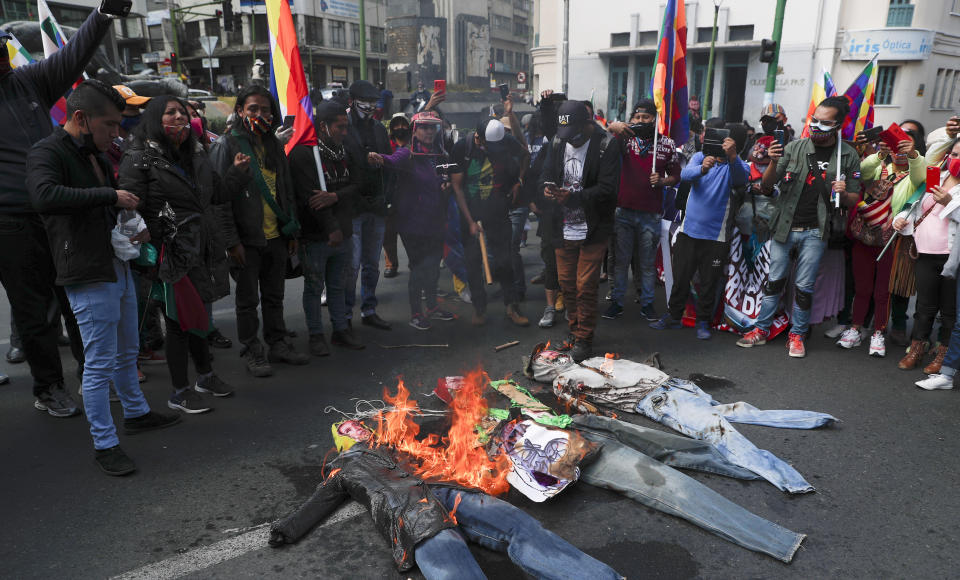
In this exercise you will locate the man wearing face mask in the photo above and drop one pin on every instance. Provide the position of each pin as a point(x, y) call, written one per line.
point(260, 230)
point(26, 267)
point(773, 117)
point(486, 180)
point(71, 186)
point(809, 180)
point(580, 180)
point(640, 203)
point(366, 135)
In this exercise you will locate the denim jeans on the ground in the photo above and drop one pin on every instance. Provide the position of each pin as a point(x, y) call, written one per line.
point(518, 218)
point(323, 267)
point(107, 315)
point(636, 231)
point(810, 249)
point(498, 525)
point(364, 263)
point(684, 407)
point(634, 462)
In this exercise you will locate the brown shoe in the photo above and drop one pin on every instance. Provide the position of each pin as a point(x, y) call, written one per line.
point(513, 313)
point(918, 348)
point(478, 319)
point(934, 367)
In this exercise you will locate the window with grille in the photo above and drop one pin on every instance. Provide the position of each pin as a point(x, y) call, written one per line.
point(886, 77)
point(900, 13)
point(338, 34)
point(620, 39)
point(704, 33)
point(736, 33)
point(355, 36)
point(378, 39)
point(945, 91)
point(314, 30)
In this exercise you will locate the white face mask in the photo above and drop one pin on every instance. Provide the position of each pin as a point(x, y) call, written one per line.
point(364, 109)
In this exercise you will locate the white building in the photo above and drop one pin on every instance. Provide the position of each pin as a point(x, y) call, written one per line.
point(613, 47)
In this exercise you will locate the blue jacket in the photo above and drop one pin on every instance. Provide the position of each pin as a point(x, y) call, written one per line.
point(714, 197)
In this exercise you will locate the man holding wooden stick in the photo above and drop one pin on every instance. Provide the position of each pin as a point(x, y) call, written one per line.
point(486, 179)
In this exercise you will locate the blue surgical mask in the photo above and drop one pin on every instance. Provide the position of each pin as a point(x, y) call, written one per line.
point(128, 123)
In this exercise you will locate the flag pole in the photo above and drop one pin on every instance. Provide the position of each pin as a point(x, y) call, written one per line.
point(656, 130)
point(316, 159)
point(840, 176)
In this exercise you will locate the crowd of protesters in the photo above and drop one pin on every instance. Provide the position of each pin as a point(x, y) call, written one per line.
point(129, 221)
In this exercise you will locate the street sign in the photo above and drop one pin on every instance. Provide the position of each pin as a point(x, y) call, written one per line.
point(149, 57)
point(208, 43)
point(521, 86)
point(164, 69)
point(521, 77)
point(211, 63)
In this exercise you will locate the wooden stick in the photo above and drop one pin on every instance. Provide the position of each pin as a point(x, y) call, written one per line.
point(506, 345)
point(388, 346)
point(483, 254)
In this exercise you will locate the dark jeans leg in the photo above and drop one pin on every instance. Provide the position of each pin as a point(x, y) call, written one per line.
point(272, 283)
point(927, 270)
point(247, 296)
point(474, 264)
point(497, 233)
point(549, 256)
point(948, 308)
point(424, 253)
point(27, 273)
point(713, 257)
point(177, 344)
point(518, 219)
point(390, 259)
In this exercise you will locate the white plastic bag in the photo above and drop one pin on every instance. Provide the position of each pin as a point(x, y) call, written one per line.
point(129, 224)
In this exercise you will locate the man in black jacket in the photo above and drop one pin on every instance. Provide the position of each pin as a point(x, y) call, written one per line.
point(366, 135)
point(26, 268)
point(260, 229)
point(326, 220)
point(72, 186)
point(580, 179)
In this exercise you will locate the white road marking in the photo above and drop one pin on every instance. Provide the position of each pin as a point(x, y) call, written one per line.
point(207, 556)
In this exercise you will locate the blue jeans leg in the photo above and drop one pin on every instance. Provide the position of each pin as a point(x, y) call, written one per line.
point(497, 525)
point(314, 263)
point(779, 268)
point(648, 241)
point(446, 556)
point(368, 230)
point(952, 360)
point(626, 234)
point(106, 313)
point(810, 251)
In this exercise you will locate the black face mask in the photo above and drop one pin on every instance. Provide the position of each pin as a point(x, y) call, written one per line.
point(401, 134)
point(643, 130)
point(89, 146)
point(578, 140)
point(770, 125)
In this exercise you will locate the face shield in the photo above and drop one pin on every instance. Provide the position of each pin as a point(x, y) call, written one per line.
point(427, 135)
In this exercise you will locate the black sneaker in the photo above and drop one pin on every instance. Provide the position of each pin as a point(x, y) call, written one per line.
point(213, 385)
point(582, 349)
point(347, 339)
point(390, 273)
point(149, 422)
point(318, 345)
point(57, 402)
point(217, 340)
point(613, 311)
point(283, 352)
point(189, 402)
point(114, 461)
point(256, 362)
point(375, 321)
point(649, 313)
point(16, 355)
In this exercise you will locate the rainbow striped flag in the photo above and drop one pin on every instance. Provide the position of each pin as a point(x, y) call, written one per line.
point(287, 80)
point(53, 40)
point(669, 84)
point(861, 95)
point(820, 92)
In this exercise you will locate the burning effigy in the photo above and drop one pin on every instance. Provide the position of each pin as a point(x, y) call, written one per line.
point(421, 484)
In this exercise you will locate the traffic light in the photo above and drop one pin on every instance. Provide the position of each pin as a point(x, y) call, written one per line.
point(768, 50)
point(173, 58)
point(227, 12)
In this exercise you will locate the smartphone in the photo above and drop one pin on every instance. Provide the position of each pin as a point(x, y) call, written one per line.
point(779, 137)
point(933, 177)
point(119, 8)
point(504, 92)
point(440, 86)
point(548, 185)
point(288, 121)
point(873, 133)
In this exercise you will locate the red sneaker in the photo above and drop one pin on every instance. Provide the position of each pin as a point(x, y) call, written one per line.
point(755, 337)
point(151, 357)
point(795, 346)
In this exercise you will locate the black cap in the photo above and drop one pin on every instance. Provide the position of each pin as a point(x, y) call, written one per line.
point(571, 118)
point(645, 106)
point(364, 91)
point(328, 110)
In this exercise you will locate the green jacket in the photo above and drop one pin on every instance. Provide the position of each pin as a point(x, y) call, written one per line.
point(792, 173)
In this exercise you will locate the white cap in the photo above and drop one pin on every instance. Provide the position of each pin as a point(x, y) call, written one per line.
point(495, 131)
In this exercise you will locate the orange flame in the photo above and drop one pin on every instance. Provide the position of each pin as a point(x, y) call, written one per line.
point(456, 504)
point(458, 457)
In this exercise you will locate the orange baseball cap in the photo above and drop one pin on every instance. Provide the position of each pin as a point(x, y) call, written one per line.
point(131, 97)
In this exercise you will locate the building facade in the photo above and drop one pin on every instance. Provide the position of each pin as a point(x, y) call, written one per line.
point(611, 58)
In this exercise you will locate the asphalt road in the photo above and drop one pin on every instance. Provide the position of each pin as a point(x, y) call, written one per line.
point(885, 504)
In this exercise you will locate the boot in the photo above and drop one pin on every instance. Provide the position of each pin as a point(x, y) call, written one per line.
point(918, 348)
point(318, 345)
point(347, 339)
point(256, 360)
point(934, 367)
point(515, 316)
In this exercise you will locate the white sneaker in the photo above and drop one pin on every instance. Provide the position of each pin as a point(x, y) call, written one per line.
point(835, 331)
point(935, 382)
point(878, 345)
point(850, 338)
point(549, 317)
